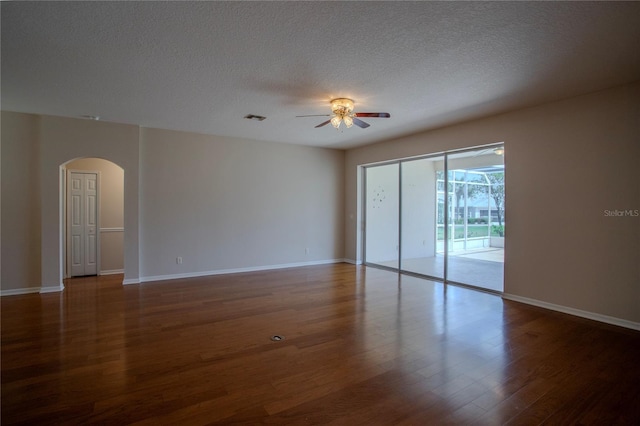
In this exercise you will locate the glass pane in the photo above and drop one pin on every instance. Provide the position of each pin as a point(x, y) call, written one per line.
point(476, 245)
point(475, 177)
point(423, 216)
point(382, 215)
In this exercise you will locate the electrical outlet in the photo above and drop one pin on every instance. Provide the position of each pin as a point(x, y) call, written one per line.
point(306, 251)
point(179, 260)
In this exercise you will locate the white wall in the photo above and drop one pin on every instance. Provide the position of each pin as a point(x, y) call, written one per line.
point(223, 203)
point(418, 209)
point(382, 214)
point(566, 163)
point(111, 211)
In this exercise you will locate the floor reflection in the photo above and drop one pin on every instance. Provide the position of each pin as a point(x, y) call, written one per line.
point(362, 346)
point(445, 340)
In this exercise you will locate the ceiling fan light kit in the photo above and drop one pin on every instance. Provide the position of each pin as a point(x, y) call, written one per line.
point(335, 121)
point(342, 106)
point(342, 109)
point(348, 120)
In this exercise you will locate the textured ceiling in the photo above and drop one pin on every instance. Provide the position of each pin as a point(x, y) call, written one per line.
point(203, 66)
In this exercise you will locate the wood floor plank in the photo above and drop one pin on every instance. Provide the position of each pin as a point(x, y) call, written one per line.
point(361, 346)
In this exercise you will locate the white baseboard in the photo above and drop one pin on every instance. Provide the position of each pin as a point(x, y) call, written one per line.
point(572, 311)
point(17, 291)
point(351, 261)
point(30, 290)
point(112, 272)
point(235, 271)
point(130, 281)
point(52, 289)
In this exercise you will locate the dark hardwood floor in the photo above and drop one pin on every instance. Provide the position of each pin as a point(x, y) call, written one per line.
point(362, 347)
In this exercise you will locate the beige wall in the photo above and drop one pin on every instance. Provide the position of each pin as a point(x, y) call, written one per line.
point(219, 203)
point(111, 211)
point(20, 203)
point(566, 163)
point(61, 140)
point(222, 203)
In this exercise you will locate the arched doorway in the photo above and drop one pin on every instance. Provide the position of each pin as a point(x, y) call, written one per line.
point(93, 217)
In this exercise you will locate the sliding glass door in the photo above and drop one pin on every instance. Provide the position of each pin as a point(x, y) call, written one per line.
point(420, 206)
point(476, 244)
point(441, 217)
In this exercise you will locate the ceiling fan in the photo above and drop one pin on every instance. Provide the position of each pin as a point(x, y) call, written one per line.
point(342, 109)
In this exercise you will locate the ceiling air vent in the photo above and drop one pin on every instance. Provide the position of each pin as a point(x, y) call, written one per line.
point(254, 117)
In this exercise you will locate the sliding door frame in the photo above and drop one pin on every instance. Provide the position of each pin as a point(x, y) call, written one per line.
point(445, 155)
point(364, 215)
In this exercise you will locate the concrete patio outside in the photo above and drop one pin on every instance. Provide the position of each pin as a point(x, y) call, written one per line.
point(482, 267)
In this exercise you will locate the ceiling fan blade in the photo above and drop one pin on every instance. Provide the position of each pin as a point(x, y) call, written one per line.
point(484, 151)
point(323, 124)
point(373, 114)
point(359, 123)
point(315, 115)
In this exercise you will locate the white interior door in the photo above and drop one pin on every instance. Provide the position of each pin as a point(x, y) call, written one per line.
point(82, 220)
